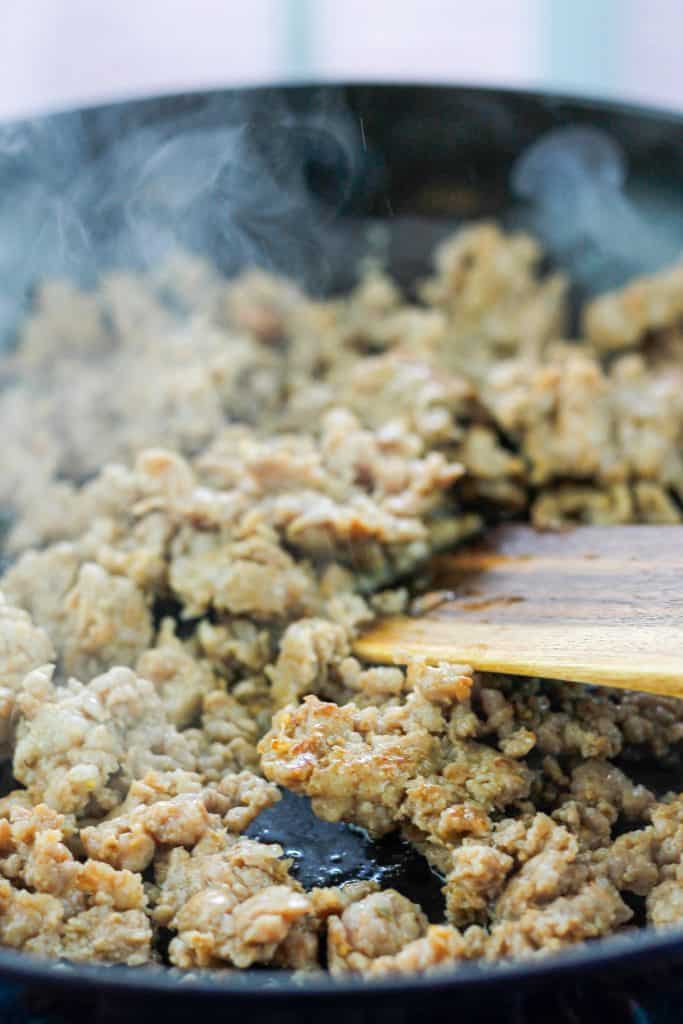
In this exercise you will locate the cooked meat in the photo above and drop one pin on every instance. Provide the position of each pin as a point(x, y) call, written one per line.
point(213, 487)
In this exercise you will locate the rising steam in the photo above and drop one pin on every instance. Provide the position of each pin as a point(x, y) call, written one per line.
point(251, 179)
point(573, 183)
point(259, 178)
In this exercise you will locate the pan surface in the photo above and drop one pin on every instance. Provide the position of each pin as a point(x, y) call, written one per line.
point(391, 170)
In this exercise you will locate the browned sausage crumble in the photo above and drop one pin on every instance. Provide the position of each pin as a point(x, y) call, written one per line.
point(213, 487)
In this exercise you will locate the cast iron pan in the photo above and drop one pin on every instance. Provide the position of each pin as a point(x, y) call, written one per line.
point(344, 172)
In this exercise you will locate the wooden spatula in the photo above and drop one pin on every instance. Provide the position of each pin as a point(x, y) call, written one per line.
point(596, 604)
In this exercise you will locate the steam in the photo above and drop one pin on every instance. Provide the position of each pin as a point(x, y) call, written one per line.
point(573, 183)
point(261, 178)
point(251, 179)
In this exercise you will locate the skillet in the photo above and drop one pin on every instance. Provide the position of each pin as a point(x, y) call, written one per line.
point(343, 171)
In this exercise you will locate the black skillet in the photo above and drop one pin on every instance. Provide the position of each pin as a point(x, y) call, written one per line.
point(309, 180)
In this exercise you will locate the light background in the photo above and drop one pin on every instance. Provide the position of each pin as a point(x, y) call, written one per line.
point(59, 53)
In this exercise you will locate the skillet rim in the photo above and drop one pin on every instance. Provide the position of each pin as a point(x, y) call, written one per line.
point(615, 953)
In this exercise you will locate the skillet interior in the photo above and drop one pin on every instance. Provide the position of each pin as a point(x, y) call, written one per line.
point(423, 160)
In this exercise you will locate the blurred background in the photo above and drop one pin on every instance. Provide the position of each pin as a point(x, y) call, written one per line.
point(59, 53)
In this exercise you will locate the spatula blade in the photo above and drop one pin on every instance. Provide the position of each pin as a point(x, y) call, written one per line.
point(596, 604)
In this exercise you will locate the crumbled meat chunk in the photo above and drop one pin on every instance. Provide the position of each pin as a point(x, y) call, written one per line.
point(440, 947)
point(237, 643)
point(66, 908)
point(496, 305)
point(78, 744)
point(114, 936)
point(601, 792)
point(94, 619)
point(342, 758)
point(443, 683)
point(554, 870)
point(308, 649)
point(181, 679)
point(106, 622)
point(30, 920)
point(335, 900)
point(164, 810)
point(252, 576)
point(383, 767)
point(130, 841)
point(596, 910)
point(39, 582)
point(567, 719)
point(475, 881)
point(239, 798)
point(382, 924)
point(475, 780)
point(228, 735)
point(535, 887)
point(233, 901)
point(664, 903)
point(639, 860)
point(181, 873)
point(621, 319)
point(214, 927)
point(23, 647)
